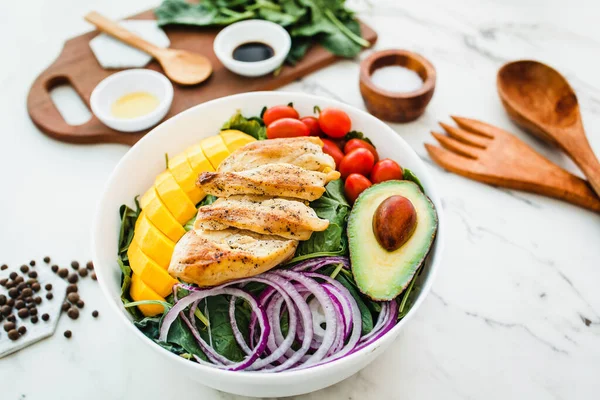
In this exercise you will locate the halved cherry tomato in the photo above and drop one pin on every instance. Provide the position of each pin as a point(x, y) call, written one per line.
point(333, 150)
point(334, 122)
point(278, 112)
point(355, 184)
point(358, 161)
point(286, 128)
point(357, 144)
point(386, 170)
point(313, 125)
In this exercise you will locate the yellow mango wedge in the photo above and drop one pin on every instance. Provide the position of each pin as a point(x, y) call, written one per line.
point(140, 291)
point(235, 139)
point(186, 177)
point(198, 160)
point(150, 273)
point(174, 197)
point(147, 197)
point(153, 242)
point(214, 149)
point(161, 217)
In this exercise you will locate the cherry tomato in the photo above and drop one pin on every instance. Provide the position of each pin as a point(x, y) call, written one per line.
point(286, 128)
point(333, 150)
point(386, 170)
point(334, 122)
point(355, 184)
point(313, 125)
point(278, 112)
point(358, 144)
point(358, 161)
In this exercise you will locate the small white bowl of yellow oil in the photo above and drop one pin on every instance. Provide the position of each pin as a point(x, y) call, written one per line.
point(132, 100)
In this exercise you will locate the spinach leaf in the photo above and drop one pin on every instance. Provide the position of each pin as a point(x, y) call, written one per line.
point(367, 317)
point(332, 241)
point(209, 199)
point(205, 13)
point(340, 44)
point(251, 126)
point(408, 175)
point(299, 48)
point(180, 339)
point(128, 220)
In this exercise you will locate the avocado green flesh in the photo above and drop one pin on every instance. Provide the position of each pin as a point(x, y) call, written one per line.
point(382, 274)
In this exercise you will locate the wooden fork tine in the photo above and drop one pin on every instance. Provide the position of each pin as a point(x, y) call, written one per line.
point(456, 146)
point(449, 160)
point(465, 136)
point(477, 127)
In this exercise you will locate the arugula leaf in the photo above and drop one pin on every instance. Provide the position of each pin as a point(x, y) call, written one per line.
point(128, 220)
point(251, 126)
point(332, 241)
point(408, 175)
point(357, 135)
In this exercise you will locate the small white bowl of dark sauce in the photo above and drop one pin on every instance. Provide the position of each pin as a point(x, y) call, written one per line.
point(252, 48)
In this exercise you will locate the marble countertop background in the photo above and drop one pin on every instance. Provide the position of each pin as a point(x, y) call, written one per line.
point(515, 310)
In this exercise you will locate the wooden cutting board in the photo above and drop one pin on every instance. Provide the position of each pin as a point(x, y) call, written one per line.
point(77, 66)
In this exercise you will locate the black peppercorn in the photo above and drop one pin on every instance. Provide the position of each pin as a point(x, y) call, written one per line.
point(9, 326)
point(36, 286)
point(27, 292)
point(10, 302)
point(74, 265)
point(33, 274)
point(94, 277)
point(89, 265)
point(13, 335)
point(73, 278)
point(37, 300)
point(73, 297)
point(49, 296)
point(65, 306)
point(11, 318)
point(13, 293)
point(5, 310)
point(2, 299)
point(73, 313)
point(95, 314)
point(4, 266)
point(83, 272)
point(71, 288)
point(54, 268)
point(47, 260)
point(19, 279)
point(23, 313)
point(13, 275)
point(32, 263)
point(19, 304)
point(45, 317)
point(34, 319)
point(80, 303)
point(22, 330)
point(3, 281)
point(63, 272)
point(33, 311)
point(24, 268)
point(67, 334)
point(48, 286)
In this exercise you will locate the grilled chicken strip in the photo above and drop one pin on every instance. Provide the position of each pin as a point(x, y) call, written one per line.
point(210, 258)
point(304, 152)
point(290, 219)
point(281, 180)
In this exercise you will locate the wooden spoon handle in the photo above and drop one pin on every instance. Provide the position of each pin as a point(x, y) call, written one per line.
point(112, 28)
point(583, 155)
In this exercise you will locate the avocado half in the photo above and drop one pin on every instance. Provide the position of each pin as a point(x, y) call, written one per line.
point(379, 273)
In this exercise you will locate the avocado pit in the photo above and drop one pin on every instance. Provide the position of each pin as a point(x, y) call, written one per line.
point(394, 222)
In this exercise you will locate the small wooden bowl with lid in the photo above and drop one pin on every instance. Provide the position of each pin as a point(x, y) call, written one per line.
point(396, 106)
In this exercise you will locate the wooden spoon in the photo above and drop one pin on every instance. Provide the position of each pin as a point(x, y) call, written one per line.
point(540, 100)
point(183, 67)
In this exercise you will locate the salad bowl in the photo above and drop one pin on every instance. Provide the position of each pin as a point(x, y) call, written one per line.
point(136, 172)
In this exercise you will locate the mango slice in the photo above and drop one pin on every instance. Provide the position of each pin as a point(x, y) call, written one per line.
point(214, 149)
point(140, 291)
point(161, 217)
point(235, 139)
point(174, 197)
point(186, 177)
point(198, 160)
point(150, 272)
point(146, 197)
point(153, 242)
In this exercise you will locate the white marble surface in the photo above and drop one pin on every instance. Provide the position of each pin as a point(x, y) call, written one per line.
point(515, 310)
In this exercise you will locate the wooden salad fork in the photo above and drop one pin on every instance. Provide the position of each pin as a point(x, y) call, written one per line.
point(488, 154)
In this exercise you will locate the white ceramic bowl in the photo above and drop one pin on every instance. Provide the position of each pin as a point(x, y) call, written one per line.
point(252, 31)
point(121, 83)
point(135, 173)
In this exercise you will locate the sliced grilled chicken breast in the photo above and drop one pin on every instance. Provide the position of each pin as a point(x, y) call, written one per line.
point(210, 258)
point(304, 152)
point(281, 180)
point(290, 219)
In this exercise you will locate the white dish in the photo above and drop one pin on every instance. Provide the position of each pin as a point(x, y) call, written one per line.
point(134, 80)
point(252, 31)
point(136, 172)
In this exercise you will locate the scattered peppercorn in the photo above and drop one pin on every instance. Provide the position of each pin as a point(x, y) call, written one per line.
point(29, 300)
point(5, 310)
point(54, 268)
point(48, 286)
point(63, 272)
point(2, 299)
point(10, 284)
point(13, 335)
point(34, 320)
point(37, 300)
point(45, 317)
point(74, 265)
point(65, 306)
point(3, 281)
point(23, 313)
point(33, 274)
point(36, 287)
point(71, 288)
point(32, 263)
point(73, 313)
point(22, 329)
point(10, 302)
point(13, 293)
point(94, 277)
point(9, 326)
point(19, 304)
point(89, 265)
point(27, 292)
point(68, 334)
point(73, 278)
point(11, 318)
point(47, 260)
point(73, 297)
point(80, 303)
point(83, 272)
point(4, 266)
point(21, 286)
point(13, 275)
point(19, 279)
point(24, 268)
point(49, 296)
point(95, 314)
point(33, 312)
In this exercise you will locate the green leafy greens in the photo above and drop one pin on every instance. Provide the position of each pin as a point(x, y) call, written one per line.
point(254, 126)
point(327, 22)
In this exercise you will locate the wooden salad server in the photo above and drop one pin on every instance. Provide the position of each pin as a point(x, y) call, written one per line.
point(183, 67)
point(541, 101)
point(491, 155)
